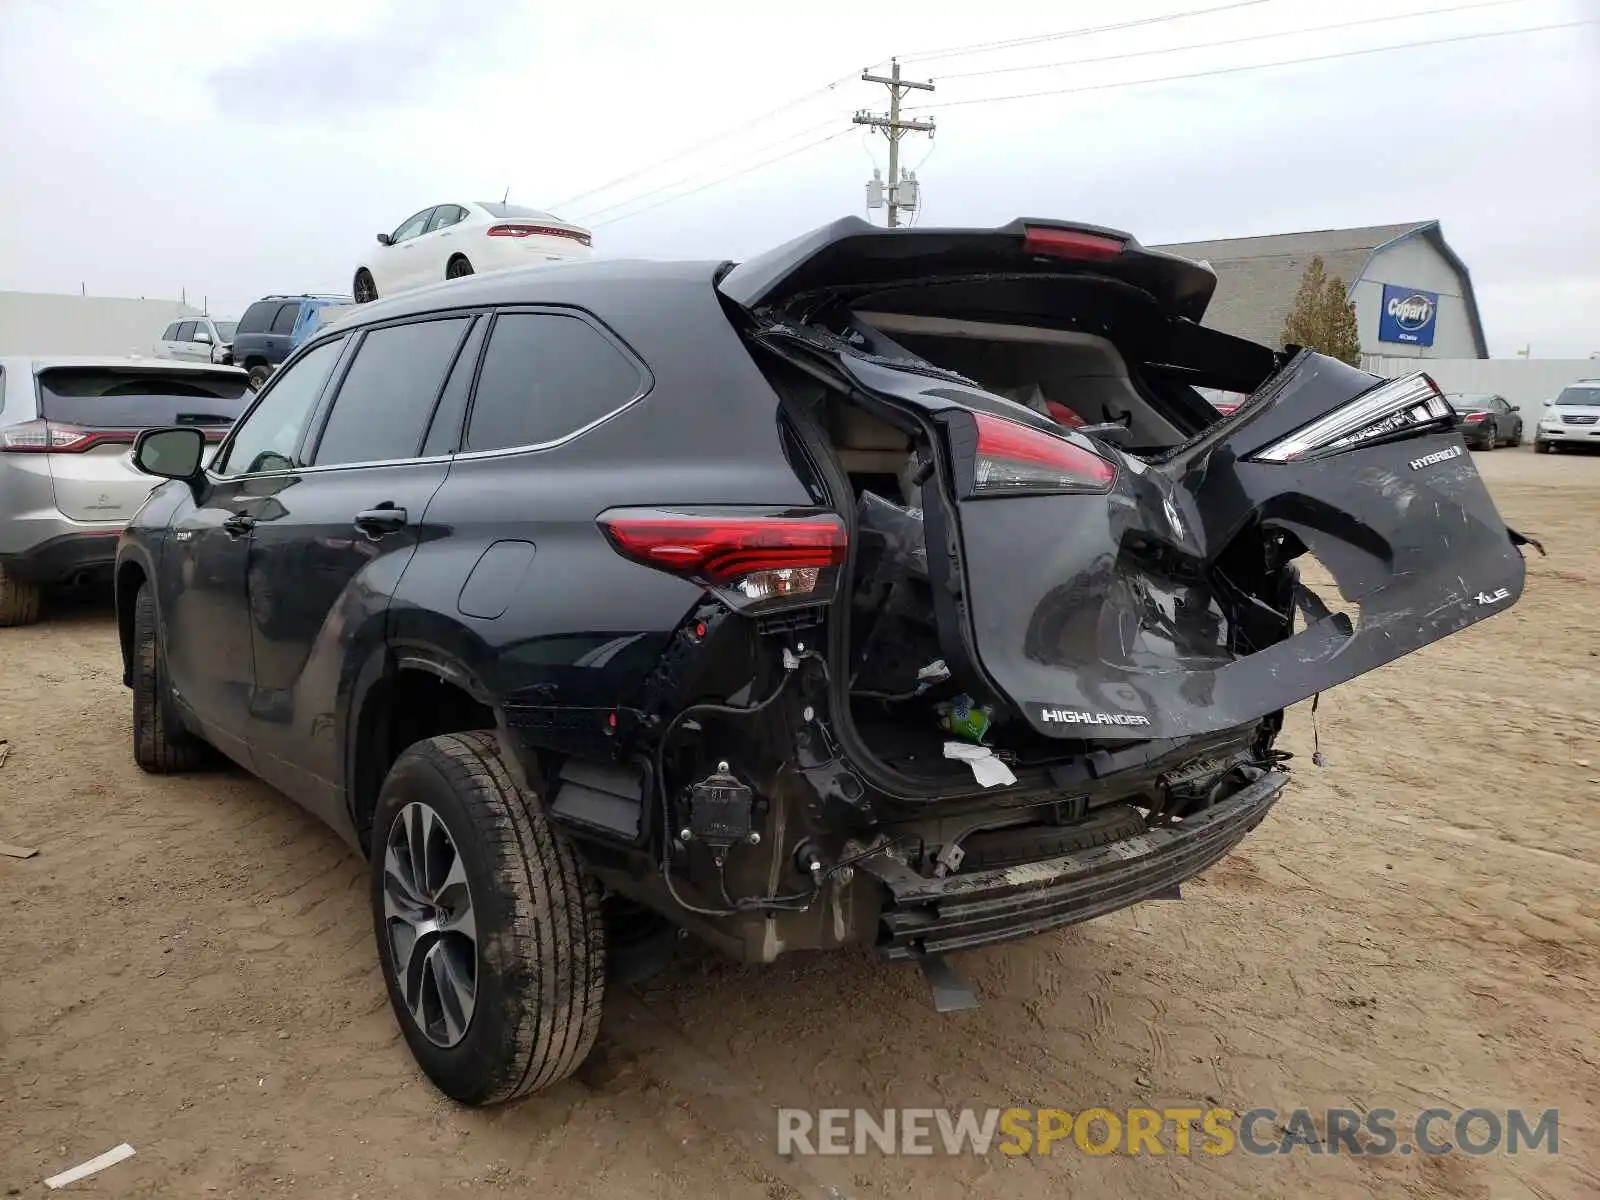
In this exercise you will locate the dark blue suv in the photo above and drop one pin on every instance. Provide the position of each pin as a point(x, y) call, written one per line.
point(262, 340)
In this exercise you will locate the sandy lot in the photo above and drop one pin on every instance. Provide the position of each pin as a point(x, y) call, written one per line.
point(187, 965)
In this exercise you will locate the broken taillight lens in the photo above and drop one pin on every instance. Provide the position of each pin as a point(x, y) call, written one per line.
point(1014, 459)
point(772, 558)
point(1398, 408)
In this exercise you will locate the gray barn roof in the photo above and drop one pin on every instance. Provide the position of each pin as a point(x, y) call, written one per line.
point(1257, 277)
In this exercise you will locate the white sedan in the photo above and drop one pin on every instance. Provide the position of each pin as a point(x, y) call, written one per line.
point(448, 241)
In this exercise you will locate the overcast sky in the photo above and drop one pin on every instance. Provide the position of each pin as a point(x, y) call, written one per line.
point(228, 150)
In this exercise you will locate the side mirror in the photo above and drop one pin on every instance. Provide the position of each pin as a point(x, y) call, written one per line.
point(385, 240)
point(170, 453)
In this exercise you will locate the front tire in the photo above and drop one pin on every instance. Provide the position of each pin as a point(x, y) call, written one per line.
point(161, 745)
point(490, 938)
point(1540, 446)
point(19, 600)
point(458, 268)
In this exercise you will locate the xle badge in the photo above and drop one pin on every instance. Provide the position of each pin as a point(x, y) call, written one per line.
point(1071, 716)
point(1494, 597)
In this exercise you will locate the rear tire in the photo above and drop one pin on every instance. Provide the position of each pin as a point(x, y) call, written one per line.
point(161, 745)
point(537, 958)
point(457, 268)
point(364, 289)
point(19, 600)
point(258, 376)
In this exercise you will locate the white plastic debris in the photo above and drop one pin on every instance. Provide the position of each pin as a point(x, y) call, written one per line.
point(988, 770)
point(85, 1169)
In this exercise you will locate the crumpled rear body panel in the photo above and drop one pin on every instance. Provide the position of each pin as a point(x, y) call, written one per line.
point(1104, 617)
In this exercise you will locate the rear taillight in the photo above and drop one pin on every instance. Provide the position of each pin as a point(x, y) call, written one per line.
point(1471, 417)
point(754, 560)
point(1399, 408)
point(43, 437)
point(1226, 407)
point(1070, 243)
point(555, 231)
point(49, 437)
point(1013, 459)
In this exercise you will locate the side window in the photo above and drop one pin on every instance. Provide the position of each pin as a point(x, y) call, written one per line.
point(443, 216)
point(383, 405)
point(413, 226)
point(546, 376)
point(258, 317)
point(171, 335)
point(185, 332)
point(269, 435)
point(284, 321)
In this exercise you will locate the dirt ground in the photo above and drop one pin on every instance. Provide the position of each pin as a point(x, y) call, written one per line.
point(187, 965)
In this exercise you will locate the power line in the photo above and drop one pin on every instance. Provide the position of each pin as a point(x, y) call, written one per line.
point(1287, 62)
point(704, 142)
point(767, 162)
point(1012, 43)
point(693, 175)
point(1254, 37)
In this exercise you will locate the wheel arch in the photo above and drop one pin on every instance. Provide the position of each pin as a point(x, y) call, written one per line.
point(132, 573)
point(399, 696)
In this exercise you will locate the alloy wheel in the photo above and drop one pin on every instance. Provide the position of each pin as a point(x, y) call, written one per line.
point(433, 933)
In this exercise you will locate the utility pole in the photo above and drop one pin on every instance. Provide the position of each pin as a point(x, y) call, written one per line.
point(902, 193)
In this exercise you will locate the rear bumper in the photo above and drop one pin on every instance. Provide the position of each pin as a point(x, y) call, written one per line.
point(959, 912)
point(60, 558)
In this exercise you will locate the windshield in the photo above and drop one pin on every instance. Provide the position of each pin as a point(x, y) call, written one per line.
point(225, 329)
point(1463, 404)
point(1572, 397)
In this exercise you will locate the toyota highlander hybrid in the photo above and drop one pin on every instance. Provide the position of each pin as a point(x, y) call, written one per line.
point(600, 600)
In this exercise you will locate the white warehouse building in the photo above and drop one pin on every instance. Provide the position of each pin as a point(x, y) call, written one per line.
point(1412, 293)
point(47, 323)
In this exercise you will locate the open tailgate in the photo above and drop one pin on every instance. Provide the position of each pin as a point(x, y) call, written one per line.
point(1155, 608)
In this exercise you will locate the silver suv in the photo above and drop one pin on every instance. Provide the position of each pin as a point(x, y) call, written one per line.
point(67, 482)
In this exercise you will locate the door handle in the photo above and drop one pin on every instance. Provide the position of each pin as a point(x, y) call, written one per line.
point(386, 518)
point(238, 524)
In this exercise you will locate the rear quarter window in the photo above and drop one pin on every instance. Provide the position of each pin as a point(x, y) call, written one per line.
point(137, 398)
point(546, 376)
point(284, 321)
point(258, 317)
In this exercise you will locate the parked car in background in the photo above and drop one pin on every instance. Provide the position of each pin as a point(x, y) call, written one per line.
point(1486, 420)
point(313, 318)
point(265, 332)
point(599, 602)
point(67, 481)
point(1573, 418)
point(448, 241)
point(1224, 402)
point(200, 340)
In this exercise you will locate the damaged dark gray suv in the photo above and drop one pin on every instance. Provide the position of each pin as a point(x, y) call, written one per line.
point(895, 588)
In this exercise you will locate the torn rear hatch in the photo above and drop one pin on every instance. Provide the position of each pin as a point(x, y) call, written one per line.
point(1161, 605)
